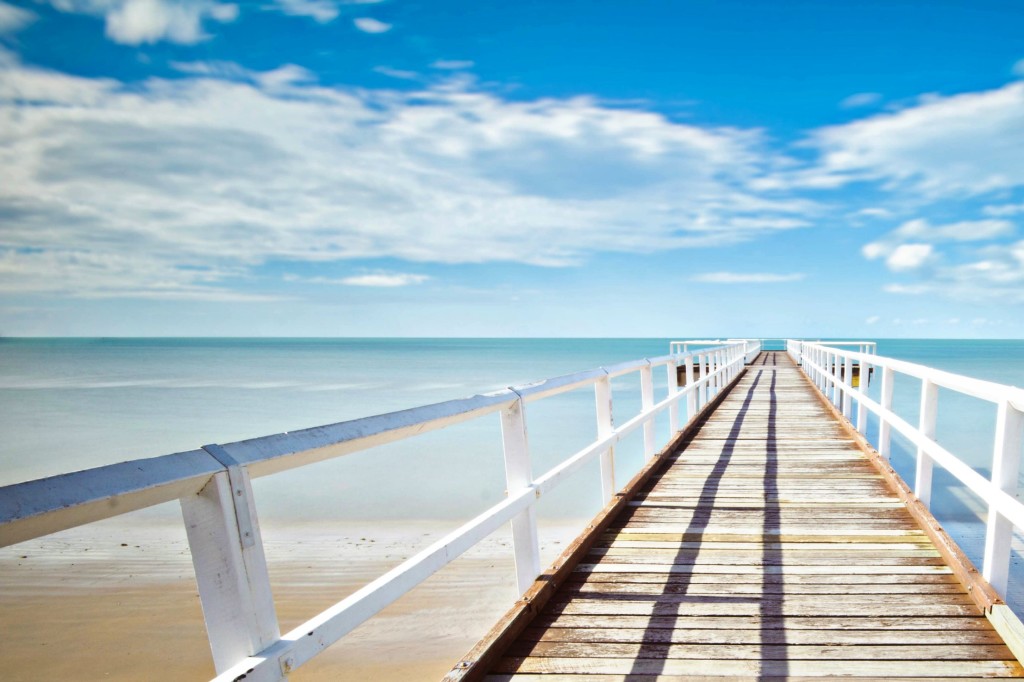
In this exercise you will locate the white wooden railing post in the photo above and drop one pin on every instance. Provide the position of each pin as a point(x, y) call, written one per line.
point(819, 358)
point(884, 429)
point(647, 403)
point(519, 475)
point(605, 425)
point(837, 395)
point(1005, 469)
point(231, 569)
point(672, 371)
point(702, 361)
point(829, 382)
point(929, 414)
point(848, 386)
point(691, 397)
point(862, 409)
point(710, 374)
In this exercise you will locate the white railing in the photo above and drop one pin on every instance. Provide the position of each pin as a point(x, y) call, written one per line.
point(751, 347)
point(831, 370)
point(214, 489)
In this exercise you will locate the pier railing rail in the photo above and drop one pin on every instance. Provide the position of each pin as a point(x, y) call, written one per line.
point(213, 485)
point(831, 369)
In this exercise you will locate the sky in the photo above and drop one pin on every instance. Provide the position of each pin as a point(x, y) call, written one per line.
point(591, 169)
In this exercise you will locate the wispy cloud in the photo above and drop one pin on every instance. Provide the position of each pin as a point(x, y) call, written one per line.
point(401, 74)
point(962, 145)
point(1018, 68)
point(452, 64)
point(746, 277)
point(321, 11)
point(861, 99)
point(911, 245)
point(371, 25)
point(226, 170)
point(13, 19)
point(384, 279)
point(1003, 210)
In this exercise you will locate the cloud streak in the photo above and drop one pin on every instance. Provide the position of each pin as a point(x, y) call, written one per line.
point(199, 181)
point(746, 277)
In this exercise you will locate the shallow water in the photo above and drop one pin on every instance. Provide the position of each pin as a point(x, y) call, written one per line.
point(69, 404)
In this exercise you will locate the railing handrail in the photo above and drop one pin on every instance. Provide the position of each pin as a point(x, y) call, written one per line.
point(977, 388)
point(213, 485)
point(831, 371)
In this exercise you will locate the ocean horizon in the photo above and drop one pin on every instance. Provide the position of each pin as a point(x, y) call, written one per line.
point(68, 404)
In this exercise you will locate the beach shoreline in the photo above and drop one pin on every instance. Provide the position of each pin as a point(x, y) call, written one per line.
point(117, 600)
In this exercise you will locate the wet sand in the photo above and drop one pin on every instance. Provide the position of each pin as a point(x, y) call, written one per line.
point(118, 601)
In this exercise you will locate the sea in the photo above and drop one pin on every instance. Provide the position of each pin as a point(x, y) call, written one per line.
point(74, 403)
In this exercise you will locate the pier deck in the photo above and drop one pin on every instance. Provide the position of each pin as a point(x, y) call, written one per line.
point(767, 546)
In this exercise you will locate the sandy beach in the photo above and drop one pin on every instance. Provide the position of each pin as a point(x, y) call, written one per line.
point(117, 600)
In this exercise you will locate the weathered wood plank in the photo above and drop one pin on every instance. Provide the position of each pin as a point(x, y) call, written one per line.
point(763, 652)
point(718, 668)
point(780, 635)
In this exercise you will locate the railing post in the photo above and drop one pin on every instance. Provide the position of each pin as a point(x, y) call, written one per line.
point(862, 410)
point(822, 376)
point(830, 384)
point(884, 430)
point(929, 413)
point(605, 425)
point(848, 385)
point(702, 360)
point(691, 397)
point(647, 403)
point(231, 569)
point(837, 394)
point(711, 375)
point(519, 475)
point(1005, 469)
point(672, 369)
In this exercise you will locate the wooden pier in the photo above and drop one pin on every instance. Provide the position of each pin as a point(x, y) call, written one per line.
point(765, 543)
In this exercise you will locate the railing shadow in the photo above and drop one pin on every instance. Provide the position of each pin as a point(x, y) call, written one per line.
point(666, 608)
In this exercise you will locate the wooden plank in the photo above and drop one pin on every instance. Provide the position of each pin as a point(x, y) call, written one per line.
point(888, 623)
point(717, 668)
point(763, 652)
point(779, 635)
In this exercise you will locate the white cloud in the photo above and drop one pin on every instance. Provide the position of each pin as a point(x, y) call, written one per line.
point(964, 231)
point(861, 99)
point(910, 246)
point(189, 185)
point(384, 279)
point(452, 64)
point(874, 319)
point(1018, 68)
point(13, 19)
point(401, 74)
point(874, 212)
point(134, 22)
point(961, 145)
point(994, 274)
point(908, 256)
point(1003, 210)
point(321, 11)
point(746, 277)
point(371, 25)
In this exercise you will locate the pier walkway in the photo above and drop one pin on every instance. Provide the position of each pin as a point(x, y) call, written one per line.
point(766, 545)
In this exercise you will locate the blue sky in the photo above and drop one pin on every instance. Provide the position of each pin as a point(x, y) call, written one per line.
point(353, 168)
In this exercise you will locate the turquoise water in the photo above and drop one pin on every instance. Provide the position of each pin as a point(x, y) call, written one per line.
point(70, 404)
